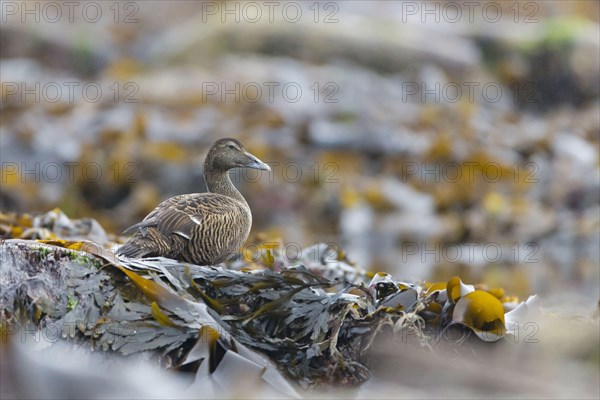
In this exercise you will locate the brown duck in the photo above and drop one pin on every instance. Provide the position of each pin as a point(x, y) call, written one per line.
point(200, 228)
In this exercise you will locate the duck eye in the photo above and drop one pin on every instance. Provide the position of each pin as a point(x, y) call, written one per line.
point(231, 146)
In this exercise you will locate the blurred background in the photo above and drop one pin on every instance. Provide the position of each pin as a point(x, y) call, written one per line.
point(427, 139)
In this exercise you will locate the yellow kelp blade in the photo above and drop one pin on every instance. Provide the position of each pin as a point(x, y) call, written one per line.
point(67, 244)
point(456, 289)
point(161, 317)
point(84, 246)
point(214, 304)
point(154, 291)
point(483, 313)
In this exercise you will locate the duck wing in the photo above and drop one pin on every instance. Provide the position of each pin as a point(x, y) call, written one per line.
point(181, 215)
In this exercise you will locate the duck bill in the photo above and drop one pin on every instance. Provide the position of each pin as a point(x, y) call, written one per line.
point(255, 163)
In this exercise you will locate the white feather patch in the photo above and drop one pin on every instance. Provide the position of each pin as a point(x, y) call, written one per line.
point(182, 234)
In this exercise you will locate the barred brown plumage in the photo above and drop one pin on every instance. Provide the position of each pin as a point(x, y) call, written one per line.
point(200, 228)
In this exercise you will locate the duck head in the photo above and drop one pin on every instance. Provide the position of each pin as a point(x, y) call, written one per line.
point(226, 154)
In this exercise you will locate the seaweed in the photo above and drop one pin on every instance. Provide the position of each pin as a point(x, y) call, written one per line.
point(311, 321)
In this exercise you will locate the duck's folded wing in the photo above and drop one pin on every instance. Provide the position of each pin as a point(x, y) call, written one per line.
point(183, 214)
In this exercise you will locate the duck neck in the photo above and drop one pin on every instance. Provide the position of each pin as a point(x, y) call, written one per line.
point(219, 182)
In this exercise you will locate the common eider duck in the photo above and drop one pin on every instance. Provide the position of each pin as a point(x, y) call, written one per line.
point(200, 228)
